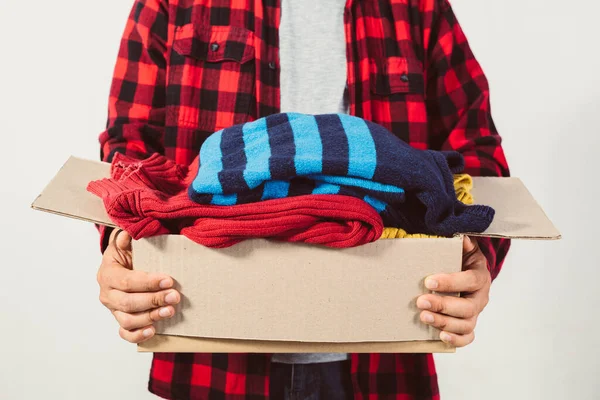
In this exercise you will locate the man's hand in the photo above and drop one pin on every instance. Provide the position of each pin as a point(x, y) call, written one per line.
point(136, 299)
point(456, 316)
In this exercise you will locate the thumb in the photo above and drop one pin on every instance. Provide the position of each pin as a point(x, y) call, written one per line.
point(468, 245)
point(123, 240)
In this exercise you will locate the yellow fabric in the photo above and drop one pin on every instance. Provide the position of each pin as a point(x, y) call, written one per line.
point(397, 233)
point(463, 184)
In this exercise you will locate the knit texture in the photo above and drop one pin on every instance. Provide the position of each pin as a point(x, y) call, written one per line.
point(463, 183)
point(149, 197)
point(292, 154)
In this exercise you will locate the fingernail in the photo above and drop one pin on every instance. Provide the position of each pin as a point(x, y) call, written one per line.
point(165, 284)
point(445, 337)
point(147, 332)
point(431, 283)
point(428, 318)
point(164, 312)
point(423, 304)
point(171, 298)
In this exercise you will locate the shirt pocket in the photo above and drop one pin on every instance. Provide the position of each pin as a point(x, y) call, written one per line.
point(211, 79)
point(398, 98)
point(393, 75)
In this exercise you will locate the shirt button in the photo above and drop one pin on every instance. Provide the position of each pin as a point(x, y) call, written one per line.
point(214, 46)
point(404, 78)
point(272, 65)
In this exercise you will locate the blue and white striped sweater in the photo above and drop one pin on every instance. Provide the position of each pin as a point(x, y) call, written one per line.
point(292, 154)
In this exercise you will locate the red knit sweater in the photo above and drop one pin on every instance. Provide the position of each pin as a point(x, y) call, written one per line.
point(149, 197)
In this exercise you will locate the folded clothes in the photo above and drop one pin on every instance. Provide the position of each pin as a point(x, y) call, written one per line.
point(291, 154)
point(463, 183)
point(149, 197)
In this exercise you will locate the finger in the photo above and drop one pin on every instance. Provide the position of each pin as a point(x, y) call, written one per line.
point(469, 245)
point(140, 302)
point(118, 250)
point(465, 281)
point(457, 340)
point(448, 305)
point(139, 320)
point(138, 335)
point(123, 240)
point(127, 280)
point(460, 326)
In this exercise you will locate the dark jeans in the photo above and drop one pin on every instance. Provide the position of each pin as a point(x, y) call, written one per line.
point(319, 381)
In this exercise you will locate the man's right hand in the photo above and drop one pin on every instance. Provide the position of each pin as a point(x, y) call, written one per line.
point(136, 299)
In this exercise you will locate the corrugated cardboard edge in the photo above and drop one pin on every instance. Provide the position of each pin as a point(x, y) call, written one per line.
point(518, 213)
point(66, 194)
point(184, 344)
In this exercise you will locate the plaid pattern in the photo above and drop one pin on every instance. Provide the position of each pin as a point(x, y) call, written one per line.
point(187, 68)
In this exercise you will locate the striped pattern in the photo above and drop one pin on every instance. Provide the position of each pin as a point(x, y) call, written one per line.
point(292, 154)
point(260, 160)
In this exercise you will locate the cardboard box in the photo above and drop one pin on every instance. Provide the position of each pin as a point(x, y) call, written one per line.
point(269, 297)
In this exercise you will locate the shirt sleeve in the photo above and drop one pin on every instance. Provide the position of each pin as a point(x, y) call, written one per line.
point(136, 108)
point(458, 106)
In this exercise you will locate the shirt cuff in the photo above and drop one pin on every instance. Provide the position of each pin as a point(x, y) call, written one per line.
point(105, 232)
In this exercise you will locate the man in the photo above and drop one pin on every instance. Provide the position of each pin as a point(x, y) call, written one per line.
point(187, 68)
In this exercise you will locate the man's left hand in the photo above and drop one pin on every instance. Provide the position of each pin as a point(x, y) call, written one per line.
point(456, 317)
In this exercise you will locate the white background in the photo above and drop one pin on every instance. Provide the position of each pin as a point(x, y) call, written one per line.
point(536, 340)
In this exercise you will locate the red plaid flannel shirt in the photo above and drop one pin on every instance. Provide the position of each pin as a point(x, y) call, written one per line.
point(187, 68)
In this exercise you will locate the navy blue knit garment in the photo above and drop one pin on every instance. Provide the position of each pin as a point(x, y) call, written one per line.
point(291, 154)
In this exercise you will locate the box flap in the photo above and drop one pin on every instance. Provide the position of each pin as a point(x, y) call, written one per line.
point(518, 215)
point(66, 193)
point(185, 344)
point(264, 290)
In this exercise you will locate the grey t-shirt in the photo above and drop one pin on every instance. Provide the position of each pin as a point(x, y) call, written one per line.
point(312, 55)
